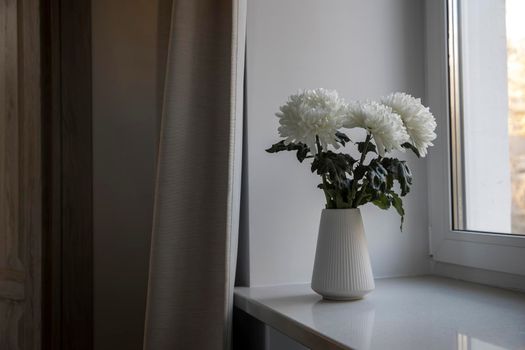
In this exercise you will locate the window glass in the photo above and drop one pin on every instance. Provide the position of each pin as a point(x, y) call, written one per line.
point(487, 86)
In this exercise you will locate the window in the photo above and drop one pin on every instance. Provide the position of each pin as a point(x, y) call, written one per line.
point(475, 78)
point(487, 80)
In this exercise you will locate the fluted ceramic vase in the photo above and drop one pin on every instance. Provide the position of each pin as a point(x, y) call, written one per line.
point(342, 268)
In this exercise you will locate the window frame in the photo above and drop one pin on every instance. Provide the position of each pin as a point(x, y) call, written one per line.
point(483, 250)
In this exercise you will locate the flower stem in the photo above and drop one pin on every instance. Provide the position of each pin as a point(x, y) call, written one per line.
point(353, 191)
point(329, 201)
point(367, 142)
point(361, 195)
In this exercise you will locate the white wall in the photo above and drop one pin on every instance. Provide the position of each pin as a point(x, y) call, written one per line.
point(363, 49)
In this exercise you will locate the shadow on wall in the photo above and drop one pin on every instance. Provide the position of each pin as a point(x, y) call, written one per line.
point(129, 43)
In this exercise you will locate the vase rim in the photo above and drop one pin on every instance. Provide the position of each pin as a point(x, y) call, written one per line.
point(342, 209)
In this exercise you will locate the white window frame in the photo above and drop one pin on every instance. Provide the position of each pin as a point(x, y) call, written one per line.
point(496, 252)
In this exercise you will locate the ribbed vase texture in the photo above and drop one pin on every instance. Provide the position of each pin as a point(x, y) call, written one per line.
point(342, 269)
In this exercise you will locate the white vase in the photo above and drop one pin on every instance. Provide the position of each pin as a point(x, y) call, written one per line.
point(342, 268)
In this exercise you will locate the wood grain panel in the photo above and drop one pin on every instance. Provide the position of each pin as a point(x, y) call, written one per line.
point(12, 274)
point(30, 165)
point(20, 175)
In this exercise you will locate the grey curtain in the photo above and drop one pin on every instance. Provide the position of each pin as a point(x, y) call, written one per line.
point(195, 230)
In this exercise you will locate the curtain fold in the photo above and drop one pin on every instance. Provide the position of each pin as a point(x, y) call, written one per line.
point(195, 229)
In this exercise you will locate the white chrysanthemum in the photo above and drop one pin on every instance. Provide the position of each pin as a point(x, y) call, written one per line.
point(385, 126)
point(312, 113)
point(418, 120)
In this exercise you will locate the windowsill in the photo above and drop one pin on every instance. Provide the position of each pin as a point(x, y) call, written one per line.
point(402, 313)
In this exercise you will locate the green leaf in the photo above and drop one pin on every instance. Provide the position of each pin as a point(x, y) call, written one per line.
point(365, 147)
point(335, 166)
point(410, 146)
point(342, 138)
point(397, 203)
point(389, 182)
point(301, 148)
point(377, 176)
point(382, 202)
point(364, 196)
point(398, 170)
point(302, 152)
point(277, 147)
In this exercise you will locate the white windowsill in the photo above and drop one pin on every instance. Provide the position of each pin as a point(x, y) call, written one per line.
point(402, 313)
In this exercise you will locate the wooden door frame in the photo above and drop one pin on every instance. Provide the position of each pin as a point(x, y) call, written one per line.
point(46, 205)
point(67, 175)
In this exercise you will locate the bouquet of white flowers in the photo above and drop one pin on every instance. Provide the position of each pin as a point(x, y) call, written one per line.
point(312, 123)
